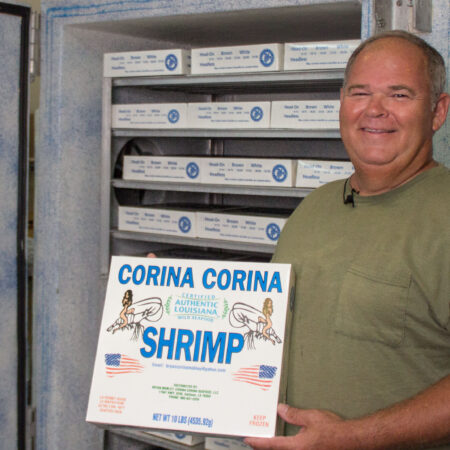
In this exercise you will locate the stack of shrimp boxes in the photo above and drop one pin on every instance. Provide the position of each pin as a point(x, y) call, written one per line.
point(193, 346)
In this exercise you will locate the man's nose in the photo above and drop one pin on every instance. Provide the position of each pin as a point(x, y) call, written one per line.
point(376, 107)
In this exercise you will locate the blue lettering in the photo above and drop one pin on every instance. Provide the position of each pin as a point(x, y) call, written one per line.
point(150, 342)
point(123, 280)
point(184, 345)
point(138, 274)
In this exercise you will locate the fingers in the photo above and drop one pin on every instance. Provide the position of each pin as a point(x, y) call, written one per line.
point(291, 415)
point(276, 443)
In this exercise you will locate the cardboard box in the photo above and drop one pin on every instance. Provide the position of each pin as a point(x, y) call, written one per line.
point(149, 115)
point(157, 220)
point(318, 55)
point(313, 173)
point(215, 443)
point(229, 115)
point(305, 114)
point(243, 227)
point(249, 171)
point(237, 59)
point(146, 63)
point(181, 438)
point(183, 342)
point(162, 168)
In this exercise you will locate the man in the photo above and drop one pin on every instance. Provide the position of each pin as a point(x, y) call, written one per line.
point(369, 363)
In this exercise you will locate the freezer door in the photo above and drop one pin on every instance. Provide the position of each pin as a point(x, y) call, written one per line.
point(14, 28)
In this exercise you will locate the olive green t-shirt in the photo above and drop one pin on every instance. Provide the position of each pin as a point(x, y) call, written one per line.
point(371, 322)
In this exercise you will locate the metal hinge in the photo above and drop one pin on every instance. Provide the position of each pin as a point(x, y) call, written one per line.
point(35, 42)
point(409, 15)
point(31, 432)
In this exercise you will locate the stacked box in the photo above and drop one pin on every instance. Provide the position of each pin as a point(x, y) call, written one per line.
point(240, 227)
point(313, 173)
point(216, 443)
point(162, 168)
point(193, 346)
point(237, 59)
point(229, 115)
point(153, 115)
point(157, 220)
point(146, 63)
point(305, 114)
point(248, 171)
point(181, 438)
point(318, 55)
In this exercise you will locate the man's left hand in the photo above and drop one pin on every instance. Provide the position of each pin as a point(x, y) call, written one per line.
point(319, 430)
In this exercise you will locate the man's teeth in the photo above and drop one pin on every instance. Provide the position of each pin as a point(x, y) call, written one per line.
point(373, 130)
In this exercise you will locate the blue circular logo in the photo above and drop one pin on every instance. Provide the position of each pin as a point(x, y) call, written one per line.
point(256, 114)
point(279, 173)
point(173, 116)
point(273, 231)
point(192, 170)
point(267, 57)
point(180, 435)
point(171, 62)
point(184, 224)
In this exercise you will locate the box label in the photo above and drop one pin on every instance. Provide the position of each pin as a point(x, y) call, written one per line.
point(235, 59)
point(318, 55)
point(196, 345)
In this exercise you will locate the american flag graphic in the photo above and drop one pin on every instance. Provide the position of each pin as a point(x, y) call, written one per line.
point(258, 375)
point(117, 364)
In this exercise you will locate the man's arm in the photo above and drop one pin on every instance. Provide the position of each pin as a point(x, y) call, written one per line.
point(420, 422)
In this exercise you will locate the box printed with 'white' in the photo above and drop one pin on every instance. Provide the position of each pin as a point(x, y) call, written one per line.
point(305, 114)
point(157, 220)
point(194, 346)
point(313, 173)
point(318, 55)
point(229, 115)
point(146, 63)
point(239, 227)
point(162, 168)
point(149, 115)
point(237, 59)
point(249, 171)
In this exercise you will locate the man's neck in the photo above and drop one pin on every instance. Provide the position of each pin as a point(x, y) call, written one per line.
point(375, 182)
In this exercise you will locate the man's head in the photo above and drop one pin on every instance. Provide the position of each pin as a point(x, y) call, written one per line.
point(391, 105)
point(435, 62)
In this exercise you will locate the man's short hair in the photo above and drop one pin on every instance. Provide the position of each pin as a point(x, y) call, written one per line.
point(435, 62)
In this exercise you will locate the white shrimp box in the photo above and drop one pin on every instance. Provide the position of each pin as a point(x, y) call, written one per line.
point(233, 226)
point(181, 438)
point(216, 443)
point(237, 59)
point(249, 171)
point(157, 220)
point(162, 168)
point(313, 173)
point(146, 63)
point(305, 114)
point(318, 55)
point(149, 115)
point(229, 115)
point(183, 342)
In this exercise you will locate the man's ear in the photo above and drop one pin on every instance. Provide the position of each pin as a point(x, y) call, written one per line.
point(440, 111)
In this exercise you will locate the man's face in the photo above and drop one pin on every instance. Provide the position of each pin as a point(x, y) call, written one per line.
point(386, 116)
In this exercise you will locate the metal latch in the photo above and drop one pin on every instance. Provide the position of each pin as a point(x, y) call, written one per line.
point(409, 15)
point(35, 27)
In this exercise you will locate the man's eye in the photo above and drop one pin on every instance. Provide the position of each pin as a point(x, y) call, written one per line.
point(359, 94)
point(399, 95)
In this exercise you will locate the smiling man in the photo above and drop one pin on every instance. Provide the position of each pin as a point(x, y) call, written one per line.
point(369, 363)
